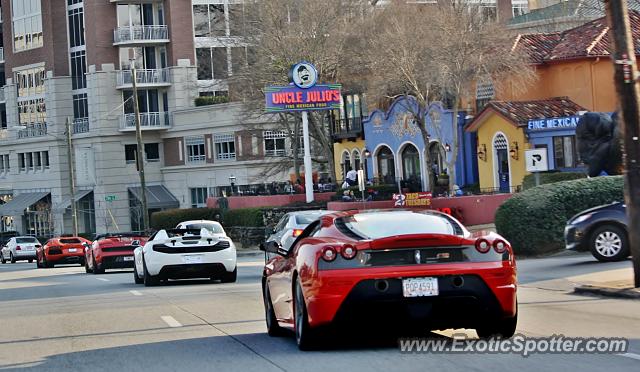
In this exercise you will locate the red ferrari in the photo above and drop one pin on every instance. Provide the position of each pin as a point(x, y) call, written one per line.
point(112, 251)
point(63, 250)
point(394, 269)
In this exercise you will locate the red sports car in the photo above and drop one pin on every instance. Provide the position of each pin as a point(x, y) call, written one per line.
point(63, 250)
point(112, 251)
point(421, 270)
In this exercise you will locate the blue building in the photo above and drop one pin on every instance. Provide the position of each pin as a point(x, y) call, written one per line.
point(398, 151)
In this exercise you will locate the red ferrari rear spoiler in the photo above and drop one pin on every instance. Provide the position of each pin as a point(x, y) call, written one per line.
point(417, 240)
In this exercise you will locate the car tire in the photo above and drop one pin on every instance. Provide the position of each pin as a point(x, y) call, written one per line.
point(148, 279)
point(11, 258)
point(306, 338)
point(609, 243)
point(504, 328)
point(31, 260)
point(38, 263)
point(86, 267)
point(230, 277)
point(2, 258)
point(96, 269)
point(273, 328)
point(136, 278)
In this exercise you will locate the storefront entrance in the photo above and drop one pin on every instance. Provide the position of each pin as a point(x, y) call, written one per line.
point(386, 166)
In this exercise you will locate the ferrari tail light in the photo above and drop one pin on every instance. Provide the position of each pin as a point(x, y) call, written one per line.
point(329, 254)
point(348, 252)
point(482, 245)
point(18, 248)
point(297, 232)
point(500, 246)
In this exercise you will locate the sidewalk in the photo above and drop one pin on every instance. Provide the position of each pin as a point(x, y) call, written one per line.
point(612, 283)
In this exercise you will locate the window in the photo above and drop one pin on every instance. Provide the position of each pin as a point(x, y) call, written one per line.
point(21, 165)
point(484, 93)
point(564, 151)
point(274, 143)
point(152, 152)
point(195, 149)
point(78, 70)
point(29, 157)
point(198, 197)
point(76, 27)
point(212, 63)
point(80, 106)
point(4, 164)
point(45, 159)
point(519, 9)
point(37, 160)
point(27, 24)
point(208, 20)
point(130, 153)
point(225, 146)
point(31, 106)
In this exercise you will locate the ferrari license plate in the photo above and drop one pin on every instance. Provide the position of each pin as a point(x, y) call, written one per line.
point(128, 258)
point(192, 259)
point(419, 287)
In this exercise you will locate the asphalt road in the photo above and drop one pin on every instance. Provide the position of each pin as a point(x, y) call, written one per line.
point(63, 319)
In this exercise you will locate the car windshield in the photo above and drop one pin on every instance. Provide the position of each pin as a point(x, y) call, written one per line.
point(305, 219)
point(26, 240)
point(385, 224)
point(70, 241)
point(212, 227)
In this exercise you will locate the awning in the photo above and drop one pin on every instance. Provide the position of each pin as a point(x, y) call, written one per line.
point(158, 197)
point(20, 202)
point(66, 203)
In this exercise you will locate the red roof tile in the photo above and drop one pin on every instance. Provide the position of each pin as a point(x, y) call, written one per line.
point(538, 46)
point(520, 112)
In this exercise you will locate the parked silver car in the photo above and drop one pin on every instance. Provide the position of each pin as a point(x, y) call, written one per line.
point(292, 224)
point(20, 248)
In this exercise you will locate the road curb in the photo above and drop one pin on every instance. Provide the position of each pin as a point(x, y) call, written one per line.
point(627, 293)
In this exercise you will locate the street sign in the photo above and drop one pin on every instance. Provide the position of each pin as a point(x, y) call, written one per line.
point(109, 198)
point(536, 160)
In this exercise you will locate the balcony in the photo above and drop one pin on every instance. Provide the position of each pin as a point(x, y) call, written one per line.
point(148, 121)
point(141, 35)
point(145, 78)
point(1, 54)
point(80, 125)
point(348, 128)
point(33, 130)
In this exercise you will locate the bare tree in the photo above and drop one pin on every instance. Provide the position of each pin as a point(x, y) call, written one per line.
point(437, 52)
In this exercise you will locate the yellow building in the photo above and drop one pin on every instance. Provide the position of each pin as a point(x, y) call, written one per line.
point(506, 130)
point(348, 135)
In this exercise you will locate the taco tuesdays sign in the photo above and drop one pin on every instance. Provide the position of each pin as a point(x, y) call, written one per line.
point(303, 94)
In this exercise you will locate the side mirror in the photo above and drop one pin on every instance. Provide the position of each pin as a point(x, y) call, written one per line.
point(272, 247)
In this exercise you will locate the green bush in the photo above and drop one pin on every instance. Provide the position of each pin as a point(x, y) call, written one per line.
point(382, 192)
point(211, 100)
point(533, 221)
point(248, 217)
point(551, 177)
point(170, 218)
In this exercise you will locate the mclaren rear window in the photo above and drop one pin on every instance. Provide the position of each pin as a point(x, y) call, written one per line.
point(377, 225)
point(212, 227)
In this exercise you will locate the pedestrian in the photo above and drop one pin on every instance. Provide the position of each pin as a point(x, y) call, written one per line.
point(352, 177)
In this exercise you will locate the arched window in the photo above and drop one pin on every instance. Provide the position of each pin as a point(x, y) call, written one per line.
point(411, 163)
point(356, 160)
point(386, 166)
point(345, 163)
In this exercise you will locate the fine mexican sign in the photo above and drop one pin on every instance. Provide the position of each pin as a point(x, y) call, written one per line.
point(292, 98)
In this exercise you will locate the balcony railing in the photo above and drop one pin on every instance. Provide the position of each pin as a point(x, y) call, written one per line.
point(148, 77)
point(347, 128)
point(33, 130)
point(148, 120)
point(80, 125)
point(141, 34)
point(1, 54)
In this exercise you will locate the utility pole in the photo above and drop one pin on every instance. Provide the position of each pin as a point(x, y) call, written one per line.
point(139, 152)
point(626, 73)
point(72, 183)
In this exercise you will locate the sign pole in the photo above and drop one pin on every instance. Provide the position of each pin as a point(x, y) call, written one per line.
point(536, 175)
point(308, 172)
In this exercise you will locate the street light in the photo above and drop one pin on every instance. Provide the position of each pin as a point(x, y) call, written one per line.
point(232, 181)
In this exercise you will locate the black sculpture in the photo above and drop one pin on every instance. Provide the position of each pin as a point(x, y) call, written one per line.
point(599, 143)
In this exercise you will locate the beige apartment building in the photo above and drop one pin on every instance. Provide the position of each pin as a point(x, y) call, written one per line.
point(71, 60)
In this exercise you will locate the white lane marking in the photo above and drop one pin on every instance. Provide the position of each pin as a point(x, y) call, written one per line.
point(631, 355)
point(135, 293)
point(171, 322)
point(103, 279)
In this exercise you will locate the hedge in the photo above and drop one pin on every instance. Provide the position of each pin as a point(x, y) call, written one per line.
point(533, 221)
point(211, 100)
point(246, 217)
point(551, 177)
point(381, 192)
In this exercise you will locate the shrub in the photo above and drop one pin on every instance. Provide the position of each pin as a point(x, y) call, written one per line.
point(551, 177)
point(211, 100)
point(248, 217)
point(170, 218)
point(534, 220)
point(382, 192)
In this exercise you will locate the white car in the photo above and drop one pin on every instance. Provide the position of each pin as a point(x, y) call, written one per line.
point(292, 224)
point(185, 254)
point(20, 248)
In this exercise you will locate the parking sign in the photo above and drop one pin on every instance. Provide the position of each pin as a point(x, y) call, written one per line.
point(536, 160)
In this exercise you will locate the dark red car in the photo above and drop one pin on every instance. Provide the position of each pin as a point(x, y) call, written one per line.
point(396, 269)
point(112, 251)
point(62, 250)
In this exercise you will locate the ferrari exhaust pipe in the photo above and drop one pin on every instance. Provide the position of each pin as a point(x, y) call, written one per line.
point(382, 285)
point(458, 281)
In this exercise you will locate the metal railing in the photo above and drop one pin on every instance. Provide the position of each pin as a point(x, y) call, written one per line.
point(347, 127)
point(80, 125)
point(279, 152)
point(148, 120)
point(33, 130)
point(144, 76)
point(158, 33)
